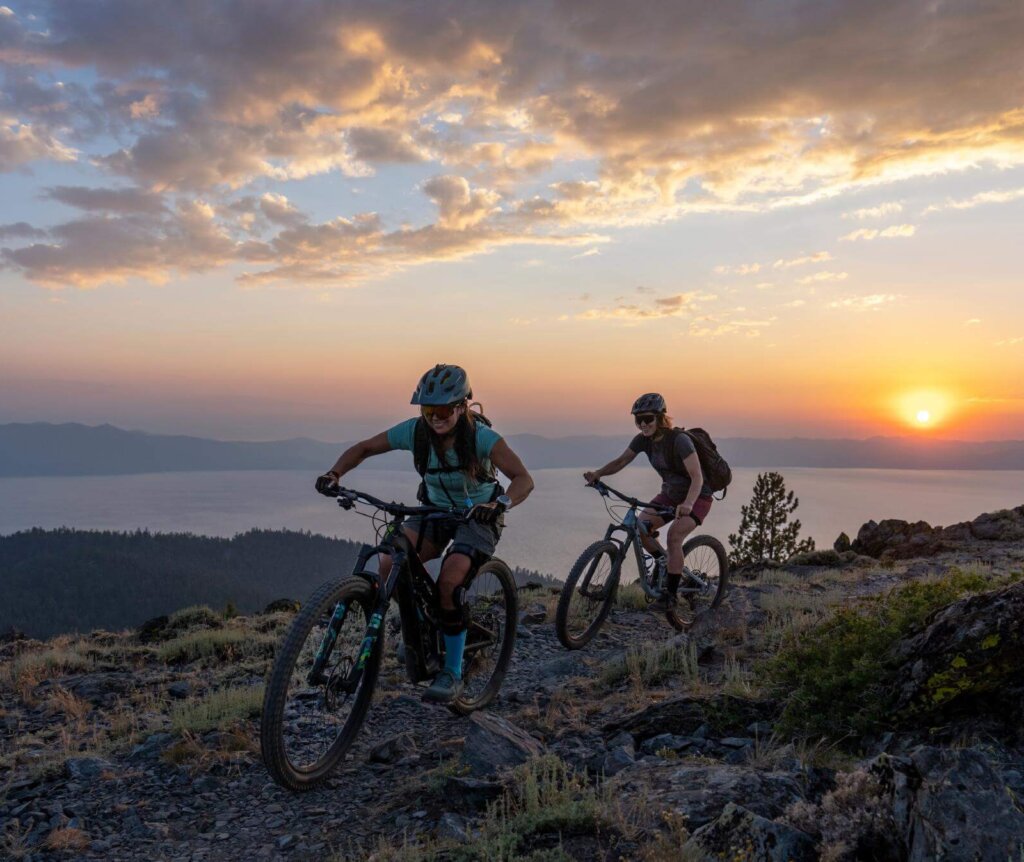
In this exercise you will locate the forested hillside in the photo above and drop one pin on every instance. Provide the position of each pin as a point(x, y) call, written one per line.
point(54, 581)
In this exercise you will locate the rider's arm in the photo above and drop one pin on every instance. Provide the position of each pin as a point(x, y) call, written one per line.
point(359, 452)
point(611, 467)
point(508, 462)
point(692, 464)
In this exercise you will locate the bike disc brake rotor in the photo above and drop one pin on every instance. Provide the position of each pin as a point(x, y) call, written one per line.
point(338, 684)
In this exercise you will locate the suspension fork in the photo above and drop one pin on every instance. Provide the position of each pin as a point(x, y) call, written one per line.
point(323, 653)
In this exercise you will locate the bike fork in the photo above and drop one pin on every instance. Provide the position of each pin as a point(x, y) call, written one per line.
point(316, 673)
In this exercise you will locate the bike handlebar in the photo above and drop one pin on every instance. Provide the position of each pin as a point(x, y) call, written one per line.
point(351, 497)
point(604, 490)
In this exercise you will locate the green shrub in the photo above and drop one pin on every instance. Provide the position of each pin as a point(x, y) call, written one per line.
point(196, 615)
point(835, 676)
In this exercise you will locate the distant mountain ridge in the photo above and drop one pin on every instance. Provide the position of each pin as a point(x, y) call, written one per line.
point(72, 449)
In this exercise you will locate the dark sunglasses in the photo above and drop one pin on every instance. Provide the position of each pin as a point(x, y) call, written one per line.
point(645, 418)
point(441, 411)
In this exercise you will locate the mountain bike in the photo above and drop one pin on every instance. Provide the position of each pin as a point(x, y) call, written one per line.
point(323, 678)
point(589, 591)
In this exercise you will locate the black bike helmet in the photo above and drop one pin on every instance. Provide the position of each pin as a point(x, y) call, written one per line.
point(442, 384)
point(652, 402)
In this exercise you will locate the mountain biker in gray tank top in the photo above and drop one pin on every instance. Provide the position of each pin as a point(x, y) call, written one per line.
point(682, 488)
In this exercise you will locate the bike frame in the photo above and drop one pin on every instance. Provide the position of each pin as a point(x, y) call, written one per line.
point(631, 528)
point(418, 599)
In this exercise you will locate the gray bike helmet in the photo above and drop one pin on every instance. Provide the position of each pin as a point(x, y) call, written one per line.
point(652, 402)
point(442, 384)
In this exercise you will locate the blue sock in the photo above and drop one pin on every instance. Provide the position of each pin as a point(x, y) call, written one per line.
point(453, 648)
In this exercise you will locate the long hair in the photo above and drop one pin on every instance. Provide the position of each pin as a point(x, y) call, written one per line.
point(665, 423)
point(464, 447)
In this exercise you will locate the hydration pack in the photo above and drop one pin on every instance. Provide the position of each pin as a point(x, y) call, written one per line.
point(421, 458)
point(716, 470)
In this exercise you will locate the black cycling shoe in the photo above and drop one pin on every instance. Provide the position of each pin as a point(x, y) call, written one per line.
point(444, 689)
point(665, 602)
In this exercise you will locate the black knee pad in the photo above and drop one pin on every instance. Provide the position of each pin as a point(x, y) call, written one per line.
point(455, 621)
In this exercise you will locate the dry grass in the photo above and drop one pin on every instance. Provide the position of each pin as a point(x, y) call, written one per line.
point(62, 839)
point(28, 670)
point(234, 746)
point(651, 663)
point(218, 710)
point(224, 644)
point(63, 702)
point(631, 597)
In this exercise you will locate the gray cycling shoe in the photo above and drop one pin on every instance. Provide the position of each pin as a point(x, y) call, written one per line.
point(444, 689)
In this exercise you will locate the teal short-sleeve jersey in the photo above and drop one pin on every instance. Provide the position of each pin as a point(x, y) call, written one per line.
point(443, 488)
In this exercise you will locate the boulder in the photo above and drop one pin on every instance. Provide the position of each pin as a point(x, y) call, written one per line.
point(684, 715)
point(700, 792)
point(153, 630)
point(967, 665)
point(896, 539)
point(393, 749)
point(494, 743)
point(842, 543)
point(741, 834)
point(1006, 525)
point(87, 768)
point(951, 804)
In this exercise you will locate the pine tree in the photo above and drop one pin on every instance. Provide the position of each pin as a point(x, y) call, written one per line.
point(765, 532)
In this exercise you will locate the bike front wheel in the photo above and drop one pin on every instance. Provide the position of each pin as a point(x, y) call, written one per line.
point(494, 611)
point(587, 595)
point(309, 723)
point(704, 582)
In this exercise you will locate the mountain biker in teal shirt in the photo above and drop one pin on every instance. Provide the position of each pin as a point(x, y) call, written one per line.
point(459, 474)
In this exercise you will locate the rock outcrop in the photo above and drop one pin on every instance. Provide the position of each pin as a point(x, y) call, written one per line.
point(893, 539)
point(967, 665)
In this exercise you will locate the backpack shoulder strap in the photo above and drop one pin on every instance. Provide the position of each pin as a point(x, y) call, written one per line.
point(671, 456)
point(420, 447)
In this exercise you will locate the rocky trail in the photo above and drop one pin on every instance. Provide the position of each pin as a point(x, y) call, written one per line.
point(645, 745)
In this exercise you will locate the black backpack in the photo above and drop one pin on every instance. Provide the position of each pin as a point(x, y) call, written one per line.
point(716, 470)
point(421, 458)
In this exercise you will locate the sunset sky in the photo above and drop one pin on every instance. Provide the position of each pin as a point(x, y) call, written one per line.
point(255, 220)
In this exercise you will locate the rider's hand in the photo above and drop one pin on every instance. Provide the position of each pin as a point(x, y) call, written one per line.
point(485, 513)
point(591, 476)
point(683, 509)
point(327, 483)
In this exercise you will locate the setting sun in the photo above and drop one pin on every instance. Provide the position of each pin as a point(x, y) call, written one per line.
point(924, 417)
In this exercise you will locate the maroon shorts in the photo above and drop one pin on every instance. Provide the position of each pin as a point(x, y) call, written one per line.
point(701, 507)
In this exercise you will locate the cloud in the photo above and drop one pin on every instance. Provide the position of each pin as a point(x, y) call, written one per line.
point(817, 257)
point(1007, 342)
point(990, 197)
point(973, 321)
point(22, 144)
point(590, 252)
point(209, 102)
point(460, 206)
point(824, 276)
point(865, 303)
point(107, 200)
point(892, 232)
point(738, 269)
point(715, 326)
point(880, 211)
point(677, 305)
point(98, 249)
point(20, 230)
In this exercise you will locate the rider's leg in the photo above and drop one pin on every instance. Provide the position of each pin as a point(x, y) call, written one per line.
point(677, 533)
point(454, 619)
point(429, 550)
point(651, 545)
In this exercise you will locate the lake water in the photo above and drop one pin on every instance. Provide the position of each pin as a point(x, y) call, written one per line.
point(561, 517)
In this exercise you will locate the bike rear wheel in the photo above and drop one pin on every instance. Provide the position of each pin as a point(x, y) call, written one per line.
point(308, 726)
point(494, 611)
point(705, 557)
point(587, 595)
